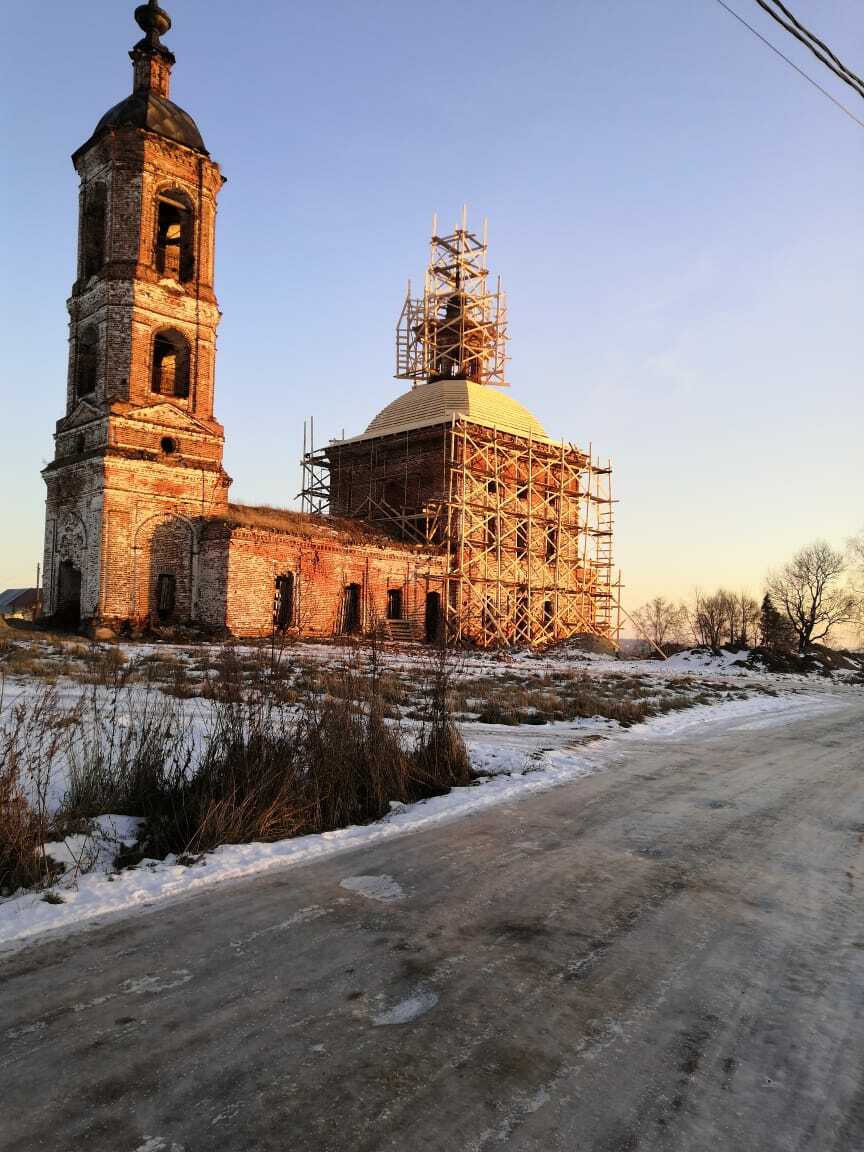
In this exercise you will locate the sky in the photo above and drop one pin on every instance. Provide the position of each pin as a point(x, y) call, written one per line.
point(675, 214)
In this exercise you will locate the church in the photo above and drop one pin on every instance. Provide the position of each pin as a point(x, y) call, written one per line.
point(452, 516)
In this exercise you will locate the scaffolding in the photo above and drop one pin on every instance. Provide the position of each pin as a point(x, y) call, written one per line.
point(523, 526)
point(527, 530)
point(458, 328)
point(314, 492)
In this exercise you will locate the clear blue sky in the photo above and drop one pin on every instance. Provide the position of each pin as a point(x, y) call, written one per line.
point(676, 216)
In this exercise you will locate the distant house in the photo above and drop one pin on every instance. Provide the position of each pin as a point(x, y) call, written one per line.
point(19, 602)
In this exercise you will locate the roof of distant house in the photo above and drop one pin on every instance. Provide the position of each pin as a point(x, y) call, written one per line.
point(18, 598)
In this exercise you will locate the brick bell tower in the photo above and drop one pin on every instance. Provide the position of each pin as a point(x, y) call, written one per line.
point(137, 467)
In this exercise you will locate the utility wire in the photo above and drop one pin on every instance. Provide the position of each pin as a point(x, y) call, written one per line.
point(820, 43)
point(791, 63)
point(815, 39)
point(796, 28)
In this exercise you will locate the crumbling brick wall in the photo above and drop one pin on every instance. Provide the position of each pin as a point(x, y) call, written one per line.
point(239, 566)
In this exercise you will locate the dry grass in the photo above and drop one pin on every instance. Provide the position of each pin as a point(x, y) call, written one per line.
point(566, 696)
point(272, 519)
point(29, 744)
point(261, 769)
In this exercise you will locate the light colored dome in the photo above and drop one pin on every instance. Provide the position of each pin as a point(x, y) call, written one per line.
point(436, 403)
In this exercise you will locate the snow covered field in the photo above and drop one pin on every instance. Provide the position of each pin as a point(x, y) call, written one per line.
point(512, 760)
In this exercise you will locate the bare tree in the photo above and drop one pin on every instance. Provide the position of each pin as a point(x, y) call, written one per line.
point(856, 559)
point(662, 622)
point(809, 591)
point(709, 618)
point(747, 619)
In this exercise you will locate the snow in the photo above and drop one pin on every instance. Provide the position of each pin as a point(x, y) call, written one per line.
point(407, 1010)
point(706, 659)
point(97, 850)
point(519, 761)
point(382, 888)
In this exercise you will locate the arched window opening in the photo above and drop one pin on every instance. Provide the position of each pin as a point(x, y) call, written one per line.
point(174, 244)
point(87, 362)
point(283, 602)
point(170, 364)
point(93, 231)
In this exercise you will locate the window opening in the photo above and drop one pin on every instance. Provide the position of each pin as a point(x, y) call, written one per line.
point(93, 231)
point(166, 594)
point(174, 241)
point(170, 365)
point(394, 603)
point(88, 357)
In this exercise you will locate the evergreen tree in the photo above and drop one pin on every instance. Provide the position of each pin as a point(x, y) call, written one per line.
point(776, 631)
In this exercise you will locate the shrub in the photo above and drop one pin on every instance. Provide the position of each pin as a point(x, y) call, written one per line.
point(264, 770)
point(121, 749)
point(439, 760)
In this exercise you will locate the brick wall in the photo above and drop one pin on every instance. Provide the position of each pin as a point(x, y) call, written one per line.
point(238, 568)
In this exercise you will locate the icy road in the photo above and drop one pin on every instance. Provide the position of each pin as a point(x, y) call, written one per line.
point(667, 955)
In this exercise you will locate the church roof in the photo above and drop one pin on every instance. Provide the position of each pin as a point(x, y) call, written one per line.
point(155, 114)
point(438, 401)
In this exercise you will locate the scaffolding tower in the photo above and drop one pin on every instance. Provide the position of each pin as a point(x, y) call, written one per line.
point(458, 328)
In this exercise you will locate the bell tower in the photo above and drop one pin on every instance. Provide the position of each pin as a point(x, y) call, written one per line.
point(137, 467)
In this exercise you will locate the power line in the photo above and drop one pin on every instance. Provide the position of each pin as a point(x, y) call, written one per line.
point(819, 49)
point(791, 64)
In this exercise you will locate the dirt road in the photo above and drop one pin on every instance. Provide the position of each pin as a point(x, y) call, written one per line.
point(667, 955)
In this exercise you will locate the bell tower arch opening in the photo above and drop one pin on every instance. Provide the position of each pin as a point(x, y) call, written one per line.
point(174, 250)
point(87, 362)
point(170, 364)
point(93, 224)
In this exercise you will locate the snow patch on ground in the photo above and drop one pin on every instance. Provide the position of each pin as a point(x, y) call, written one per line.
point(407, 1010)
point(152, 985)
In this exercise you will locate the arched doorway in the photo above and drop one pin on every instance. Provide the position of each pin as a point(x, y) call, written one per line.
point(68, 613)
point(432, 617)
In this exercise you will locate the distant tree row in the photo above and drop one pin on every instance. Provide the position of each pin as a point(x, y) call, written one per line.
point(818, 590)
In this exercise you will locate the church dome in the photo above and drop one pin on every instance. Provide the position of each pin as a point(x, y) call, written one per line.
point(437, 402)
point(155, 114)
